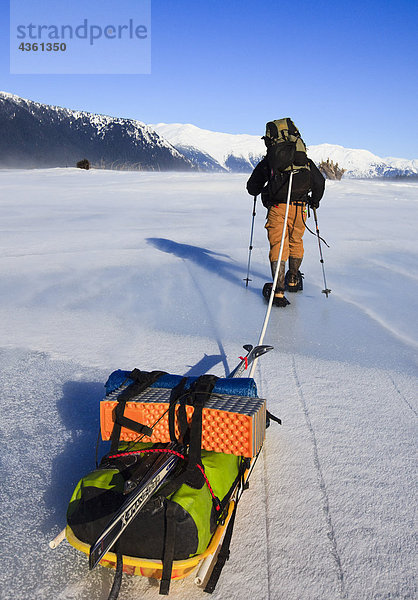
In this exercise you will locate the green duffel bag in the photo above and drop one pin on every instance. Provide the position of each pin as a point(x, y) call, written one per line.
point(99, 495)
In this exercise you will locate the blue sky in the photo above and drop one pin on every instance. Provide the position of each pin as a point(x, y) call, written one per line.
point(346, 72)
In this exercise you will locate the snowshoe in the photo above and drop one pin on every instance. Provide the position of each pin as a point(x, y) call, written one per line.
point(277, 300)
point(294, 283)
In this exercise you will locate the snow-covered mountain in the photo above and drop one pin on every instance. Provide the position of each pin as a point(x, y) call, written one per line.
point(362, 163)
point(212, 150)
point(230, 152)
point(38, 135)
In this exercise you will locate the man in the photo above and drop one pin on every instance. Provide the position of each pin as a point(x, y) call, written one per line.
point(286, 152)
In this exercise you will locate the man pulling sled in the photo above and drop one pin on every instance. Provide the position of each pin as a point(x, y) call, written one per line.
point(286, 154)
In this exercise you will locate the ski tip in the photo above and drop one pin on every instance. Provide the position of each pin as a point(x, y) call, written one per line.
point(260, 350)
point(94, 557)
point(263, 347)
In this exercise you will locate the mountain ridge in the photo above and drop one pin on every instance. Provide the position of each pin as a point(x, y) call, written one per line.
point(222, 147)
point(41, 135)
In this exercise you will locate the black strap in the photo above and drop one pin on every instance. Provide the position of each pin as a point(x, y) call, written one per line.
point(117, 581)
point(183, 424)
point(223, 555)
point(200, 392)
point(271, 417)
point(141, 381)
point(197, 394)
point(244, 465)
point(175, 484)
point(129, 423)
point(169, 546)
point(123, 464)
point(178, 395)
point(292, 127)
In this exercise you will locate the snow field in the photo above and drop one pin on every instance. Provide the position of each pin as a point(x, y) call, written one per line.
point(102, 270)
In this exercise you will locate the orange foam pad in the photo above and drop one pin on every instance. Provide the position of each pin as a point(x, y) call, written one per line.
point(222, 431)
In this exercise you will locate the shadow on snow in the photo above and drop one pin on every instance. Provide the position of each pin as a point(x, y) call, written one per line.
point(79, 410)
point(207, 259)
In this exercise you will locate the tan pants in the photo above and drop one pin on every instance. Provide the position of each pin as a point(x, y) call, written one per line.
point(293, 244)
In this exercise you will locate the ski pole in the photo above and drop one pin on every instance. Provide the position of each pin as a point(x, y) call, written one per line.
point(251, 244)
point(276, 275)
point(325, 291)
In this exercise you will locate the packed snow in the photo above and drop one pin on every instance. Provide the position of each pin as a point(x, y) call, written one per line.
point(102, 270)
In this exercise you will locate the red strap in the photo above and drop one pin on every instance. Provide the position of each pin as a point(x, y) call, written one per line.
point(245, 358)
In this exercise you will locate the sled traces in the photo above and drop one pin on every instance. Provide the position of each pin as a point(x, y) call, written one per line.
point(393, 382)
point(322, 486)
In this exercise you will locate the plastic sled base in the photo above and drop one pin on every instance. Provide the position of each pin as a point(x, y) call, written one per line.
point(153, 568)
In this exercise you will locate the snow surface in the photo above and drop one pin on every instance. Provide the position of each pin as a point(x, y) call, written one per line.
point(357, 163)
point(102, 270)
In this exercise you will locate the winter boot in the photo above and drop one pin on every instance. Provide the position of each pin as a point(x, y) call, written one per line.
point(294, 278)
point(280, 278)
point(279, 297)
point(277, 300)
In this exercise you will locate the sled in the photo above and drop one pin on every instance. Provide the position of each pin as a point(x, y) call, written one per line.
point(160, 408)
point(153, 568)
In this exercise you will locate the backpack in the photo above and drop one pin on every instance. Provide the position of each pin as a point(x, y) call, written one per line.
point(286, 152)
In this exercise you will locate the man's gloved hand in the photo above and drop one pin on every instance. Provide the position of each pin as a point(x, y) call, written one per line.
point(313, 203)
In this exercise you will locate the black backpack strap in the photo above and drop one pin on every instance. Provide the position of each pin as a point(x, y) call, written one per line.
point(293, 130)
point(197, 394)
point(169, 546)
point(178, 394)
point(244, 466)
point(200, 392)
point(223, 555)
point(117, 581)
point(141, 381)
point(271, 417)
